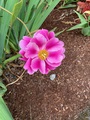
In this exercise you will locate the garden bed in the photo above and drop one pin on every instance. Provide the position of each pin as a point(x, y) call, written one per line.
point(36, 97)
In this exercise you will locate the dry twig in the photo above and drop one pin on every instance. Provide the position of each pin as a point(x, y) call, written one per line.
point(20, 77)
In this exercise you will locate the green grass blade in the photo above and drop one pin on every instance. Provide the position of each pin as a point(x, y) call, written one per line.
point(16, 10)
point(45, 13)
point(36, 14)
point(17, 26)
point(11, 59)
point(4, 111)
point(82, 19)
point(29, 15)
point(3, 89)
point(86, 31)
point(68, 6)
point(4, 24)
point(81, 25)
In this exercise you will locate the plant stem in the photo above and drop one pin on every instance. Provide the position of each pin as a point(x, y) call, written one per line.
point(11, 59)
point(17, 19)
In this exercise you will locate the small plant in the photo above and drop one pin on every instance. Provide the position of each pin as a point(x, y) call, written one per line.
point(84, 17)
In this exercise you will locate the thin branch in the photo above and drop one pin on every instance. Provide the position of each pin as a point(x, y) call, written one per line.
point(20, 77)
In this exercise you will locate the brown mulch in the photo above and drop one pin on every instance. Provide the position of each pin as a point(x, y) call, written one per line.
point(37, 97)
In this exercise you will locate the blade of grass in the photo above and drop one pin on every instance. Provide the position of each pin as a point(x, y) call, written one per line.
point(45, 13)
point(42, 13)
point(81, 25)
point(4, 25)
point(17, 19)
point(3, 89)
point(4, 111)
point(16, 11)
point(68, 6)
point(11, 59)
point(82, 19)
point(29, 15)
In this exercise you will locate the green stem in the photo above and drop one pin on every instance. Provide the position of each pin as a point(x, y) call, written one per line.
point(11, 59)
point(13, 46)
point(17, 19)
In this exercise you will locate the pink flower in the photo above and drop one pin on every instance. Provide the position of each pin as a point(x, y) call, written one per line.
point(43, 52)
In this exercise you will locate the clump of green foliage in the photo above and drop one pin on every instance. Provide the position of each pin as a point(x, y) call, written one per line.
point(84, 24)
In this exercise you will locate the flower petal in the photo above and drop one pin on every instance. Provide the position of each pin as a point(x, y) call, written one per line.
point(55, 57)
point(54, 65)
point(54, 44)
point(23, 43)
point(43, 32)
point(27, 67)
point(40, 40)
point(48, 35)
point(31, 50)
point(49, 68)
point(38, 64)
point(51, 35)
point(22, 53)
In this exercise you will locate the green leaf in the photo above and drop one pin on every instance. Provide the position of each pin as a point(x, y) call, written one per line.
point(36, 14)
point(3, 89)
point(82, 25)
point(58, 33)
point(81, 17)
point(16, 11)
point(1, 4)
point(68, 6)
point(7, 47)
point(88, 18)
point(69, 1)
point(4, 24)
point(29, 14)
point(4, 111)
point(86, 31)
point(48, 8)
point(11, 59)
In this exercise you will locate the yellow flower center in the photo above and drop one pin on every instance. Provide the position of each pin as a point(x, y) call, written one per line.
point(43, 54)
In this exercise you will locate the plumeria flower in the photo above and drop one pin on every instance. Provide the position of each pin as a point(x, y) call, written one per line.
point(43, 52)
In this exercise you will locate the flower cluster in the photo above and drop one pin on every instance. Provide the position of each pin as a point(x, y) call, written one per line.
point(83, 6)
point(43, 52)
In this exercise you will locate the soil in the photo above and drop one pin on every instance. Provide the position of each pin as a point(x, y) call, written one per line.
point(37, 97)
